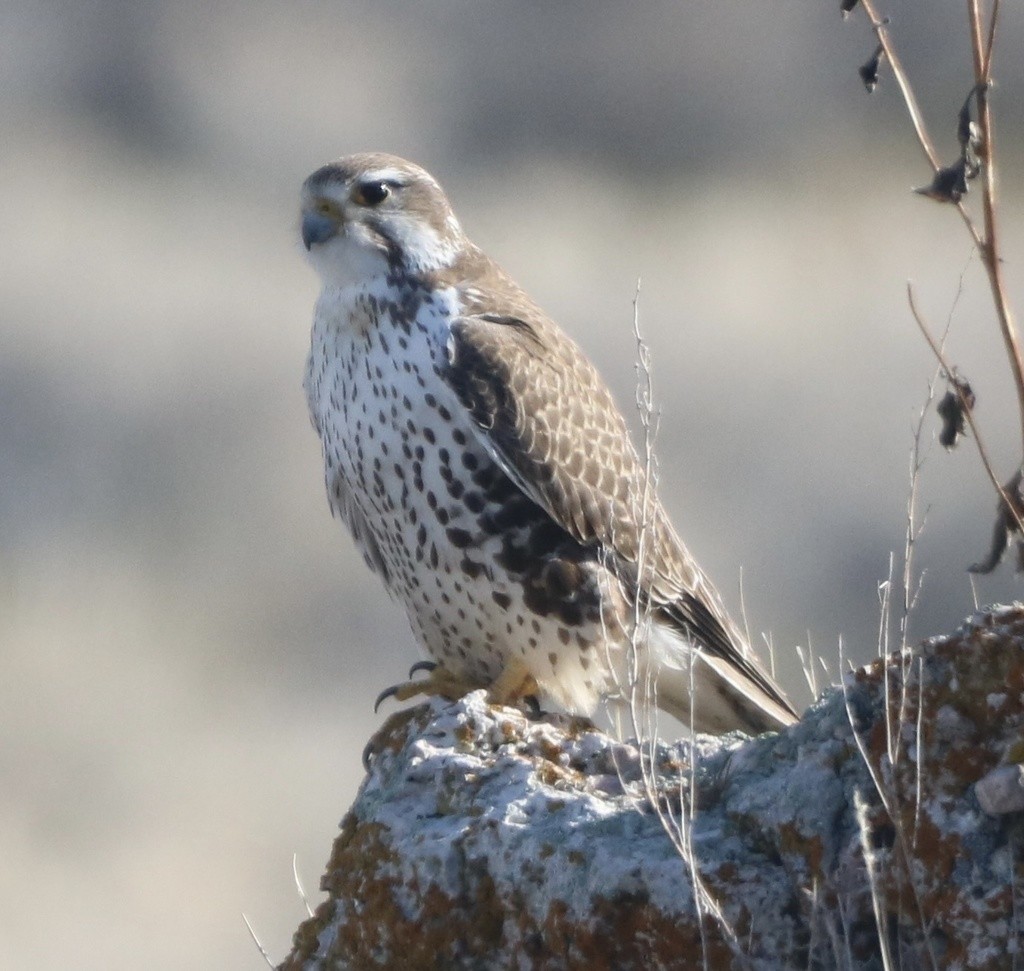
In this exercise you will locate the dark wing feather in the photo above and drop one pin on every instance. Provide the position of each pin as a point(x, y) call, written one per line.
point(550, 422)
point(692, 614)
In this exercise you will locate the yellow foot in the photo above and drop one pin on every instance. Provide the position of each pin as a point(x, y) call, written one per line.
point(439, 681)
point(513, 684)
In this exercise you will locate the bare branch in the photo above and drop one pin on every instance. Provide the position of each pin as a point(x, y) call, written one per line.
point(982, 451)
point(913, 109)
point(989, 247)
point(256, 941)
point(878, 24)
point(991, 43)
point(298, 884)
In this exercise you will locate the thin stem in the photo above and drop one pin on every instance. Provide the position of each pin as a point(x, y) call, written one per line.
point(990, 245)
point(904, 85)
point(914, 110)
point(947, 367)
point(974, 17)
point(982, 49)
point(991, 43)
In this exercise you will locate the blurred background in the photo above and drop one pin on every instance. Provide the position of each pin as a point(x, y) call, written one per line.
point(190, 646)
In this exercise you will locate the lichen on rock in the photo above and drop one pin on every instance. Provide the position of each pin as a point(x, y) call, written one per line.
point(483, 838)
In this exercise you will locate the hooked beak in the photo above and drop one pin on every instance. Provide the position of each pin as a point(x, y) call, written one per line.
point(317, 228)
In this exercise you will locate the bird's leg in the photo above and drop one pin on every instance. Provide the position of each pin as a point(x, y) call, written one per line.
point(513, 684)
point(439, 681)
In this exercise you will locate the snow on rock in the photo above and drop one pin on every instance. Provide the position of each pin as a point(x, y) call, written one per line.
point(482, 838)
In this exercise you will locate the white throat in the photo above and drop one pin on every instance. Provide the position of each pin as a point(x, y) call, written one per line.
point(345, 261)
point(354, 257)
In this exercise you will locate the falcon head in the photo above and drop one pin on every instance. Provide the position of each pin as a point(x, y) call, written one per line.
point(366, 215)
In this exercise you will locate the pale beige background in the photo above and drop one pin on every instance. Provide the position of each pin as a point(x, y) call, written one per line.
point(189, 644)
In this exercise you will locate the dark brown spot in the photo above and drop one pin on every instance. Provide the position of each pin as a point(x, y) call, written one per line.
point(503, 600)
point(513, 557)
point(459, 538)
point(514, 515)
point(472, 569)
point(546, 535)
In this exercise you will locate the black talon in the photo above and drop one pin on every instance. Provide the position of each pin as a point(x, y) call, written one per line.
point(384, 695)
point(533, 703)
point(422, 666)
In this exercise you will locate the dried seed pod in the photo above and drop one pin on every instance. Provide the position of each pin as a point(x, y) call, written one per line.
point(869, 69)
point(953, 409)
point(949, 184)
point(1007, 524)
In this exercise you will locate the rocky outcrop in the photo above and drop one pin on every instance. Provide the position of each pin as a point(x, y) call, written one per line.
point(482, 838)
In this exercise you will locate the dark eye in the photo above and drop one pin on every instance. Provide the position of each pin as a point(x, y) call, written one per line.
point(371, 193)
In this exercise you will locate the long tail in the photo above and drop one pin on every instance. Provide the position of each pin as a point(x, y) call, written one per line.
point(714, 691)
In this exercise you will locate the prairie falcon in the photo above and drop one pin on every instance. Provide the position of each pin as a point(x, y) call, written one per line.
point(487, 475)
